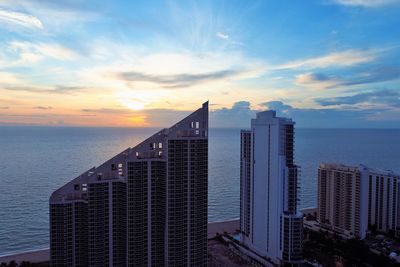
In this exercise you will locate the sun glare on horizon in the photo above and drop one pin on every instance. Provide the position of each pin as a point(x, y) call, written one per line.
point(133, 104)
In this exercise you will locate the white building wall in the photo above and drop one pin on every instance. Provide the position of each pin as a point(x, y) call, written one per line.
point(269, 181)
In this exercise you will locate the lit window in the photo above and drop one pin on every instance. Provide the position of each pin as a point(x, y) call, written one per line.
point(137, 154)
point(197, 125)
point(120, 165)
point(159, 145)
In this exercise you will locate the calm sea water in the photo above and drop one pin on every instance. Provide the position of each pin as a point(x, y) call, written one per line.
point(34, 161)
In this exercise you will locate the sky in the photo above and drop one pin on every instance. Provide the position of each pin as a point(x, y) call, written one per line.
point(324, 63)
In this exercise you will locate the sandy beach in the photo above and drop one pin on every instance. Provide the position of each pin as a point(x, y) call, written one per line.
point(32, 256)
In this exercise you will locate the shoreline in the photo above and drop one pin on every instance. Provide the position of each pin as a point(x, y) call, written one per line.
point(43, 255)
point(34, 256)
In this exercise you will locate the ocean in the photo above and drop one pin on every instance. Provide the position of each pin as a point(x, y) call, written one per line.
point(34, 161)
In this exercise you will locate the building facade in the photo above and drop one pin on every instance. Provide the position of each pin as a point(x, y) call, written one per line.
point(353, 199)
point(270, 224)
point(147, 206)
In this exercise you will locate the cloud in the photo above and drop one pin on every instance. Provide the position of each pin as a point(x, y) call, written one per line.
point(7, 78)
point(56, 16)
point(32, 52)
point(315, 80)
point(44, 89)
point(108, 110)
point(178, 80)
point(226, 37)
point(323, 81)
point(366, 3)
point(237, 116)
point(336, 117)
point(341, 59)
point(222, 36)
point(312, 77)
point(4, 107)
point(240, 114)
point(375, 75)
point(388, 98)
point(145, 117)
point(140, 69)
point(277, 105)
point(43, 107)
point(20, 19)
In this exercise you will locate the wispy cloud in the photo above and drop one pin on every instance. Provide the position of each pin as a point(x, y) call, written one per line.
point(4, 107)
point(222, 36)
point(366, 3)
point(108, 110)
point(315, 80)
point(383, 98)
point(146, 117)
point(323, 81)
point(37, 51)
point(336, 59)
point(178, 80)
point(226, 38)
point(7, 78)
point(43, 107)
point(44, 89)
point(140, 69)
point(55, 16)
point(375, 75)
point(20, 19)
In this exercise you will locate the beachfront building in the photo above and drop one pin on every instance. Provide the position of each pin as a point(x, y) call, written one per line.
point(270, 224)
point(147, 206)
point(353, 199)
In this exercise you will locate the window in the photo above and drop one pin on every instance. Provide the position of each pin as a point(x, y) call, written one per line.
point(77, 187)
point(197, 125)
point(120, 165)
point(113, 167)
point(137, 154)
point(160, 145)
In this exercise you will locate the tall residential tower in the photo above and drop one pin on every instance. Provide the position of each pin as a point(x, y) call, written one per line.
point(353, 199)
point(270, 224)
point(147, 206)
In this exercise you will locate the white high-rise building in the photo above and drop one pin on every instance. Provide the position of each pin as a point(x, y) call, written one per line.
point(270, 224)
